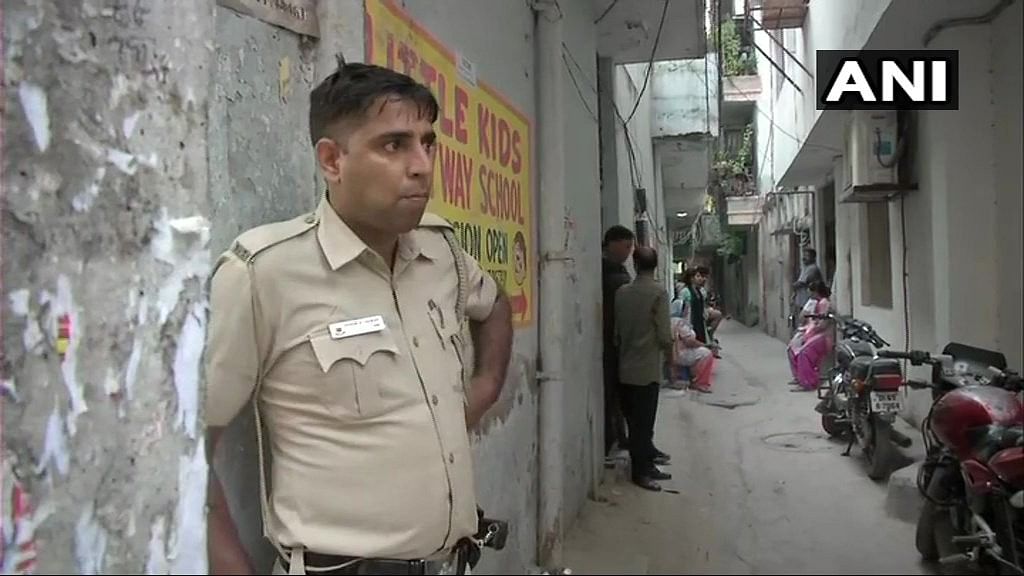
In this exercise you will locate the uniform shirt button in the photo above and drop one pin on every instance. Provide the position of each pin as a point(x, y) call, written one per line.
point(451, 458)
point(434, 399)
point(415, 341)
point(310, 219)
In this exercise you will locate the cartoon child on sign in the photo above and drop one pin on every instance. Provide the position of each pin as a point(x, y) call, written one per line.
point(519, 256)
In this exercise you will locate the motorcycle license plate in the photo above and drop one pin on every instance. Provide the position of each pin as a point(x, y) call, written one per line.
point(886, 402)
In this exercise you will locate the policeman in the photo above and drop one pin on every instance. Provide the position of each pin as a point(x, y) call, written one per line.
point(345, 327)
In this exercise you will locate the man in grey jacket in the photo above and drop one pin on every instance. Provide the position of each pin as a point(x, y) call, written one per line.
point(645, 346)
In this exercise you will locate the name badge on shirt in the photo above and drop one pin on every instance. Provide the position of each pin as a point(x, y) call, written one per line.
point(356, 327)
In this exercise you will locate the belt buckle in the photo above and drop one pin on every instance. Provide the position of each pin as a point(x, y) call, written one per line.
point(417, 566)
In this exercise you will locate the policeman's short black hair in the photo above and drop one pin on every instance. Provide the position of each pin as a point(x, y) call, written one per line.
point(348, 94)
point(617, 233)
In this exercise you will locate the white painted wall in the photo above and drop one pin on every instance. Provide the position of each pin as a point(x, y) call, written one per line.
point(830, 25)
point(685, 97)
point(1007, 96)
point(963, 224)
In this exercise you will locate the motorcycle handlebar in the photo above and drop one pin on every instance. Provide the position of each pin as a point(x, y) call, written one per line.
point(916, 357)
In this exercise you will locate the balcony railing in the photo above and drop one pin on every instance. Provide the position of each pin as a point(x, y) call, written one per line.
point(778, 14)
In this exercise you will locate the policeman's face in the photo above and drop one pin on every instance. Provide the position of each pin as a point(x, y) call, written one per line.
point(620, 250)
point(384, 167)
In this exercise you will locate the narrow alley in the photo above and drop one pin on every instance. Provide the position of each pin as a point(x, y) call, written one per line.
point(757, 488)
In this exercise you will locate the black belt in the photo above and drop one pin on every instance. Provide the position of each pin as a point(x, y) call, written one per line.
point(354, 565)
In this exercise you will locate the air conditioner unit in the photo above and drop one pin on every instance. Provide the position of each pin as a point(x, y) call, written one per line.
point(870, 160)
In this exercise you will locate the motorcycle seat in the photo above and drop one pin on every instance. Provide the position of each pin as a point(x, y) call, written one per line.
point(862, 367)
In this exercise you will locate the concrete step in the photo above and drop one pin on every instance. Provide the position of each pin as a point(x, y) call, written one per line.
point(902, 500)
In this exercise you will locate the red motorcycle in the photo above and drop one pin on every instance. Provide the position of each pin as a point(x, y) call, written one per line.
point(972, 478)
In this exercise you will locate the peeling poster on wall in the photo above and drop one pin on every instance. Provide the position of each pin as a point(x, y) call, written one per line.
point(295, 15)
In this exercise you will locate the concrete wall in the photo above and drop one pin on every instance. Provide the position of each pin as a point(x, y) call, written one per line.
point(830, 25)
point(106, 225)
point(779, 261)
point(1007, 94)
point(636, 167)
point(685, 97)
point(584, 448)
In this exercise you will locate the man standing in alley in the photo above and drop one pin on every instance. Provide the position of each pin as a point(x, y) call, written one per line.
point(618, 246)
point(345, 328)
point(809, 273)
point(645, 346)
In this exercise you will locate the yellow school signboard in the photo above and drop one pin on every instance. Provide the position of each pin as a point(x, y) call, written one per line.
point(482, 182)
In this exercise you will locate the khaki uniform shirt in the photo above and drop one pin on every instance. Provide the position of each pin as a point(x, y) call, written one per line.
point(371, 457)
point(642, 331)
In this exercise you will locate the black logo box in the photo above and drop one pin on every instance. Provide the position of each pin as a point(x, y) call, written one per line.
point(828, 63)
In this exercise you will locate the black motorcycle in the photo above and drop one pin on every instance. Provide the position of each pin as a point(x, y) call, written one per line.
point(861, 398)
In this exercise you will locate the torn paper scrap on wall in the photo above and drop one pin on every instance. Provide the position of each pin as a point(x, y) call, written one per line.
point(62, 307)
point(186, 367)
point(181, 243)
point(189, 554)
point(55, 447)
point(156, 560)
point(17, 533)
point(90, 543)
point(33, 102)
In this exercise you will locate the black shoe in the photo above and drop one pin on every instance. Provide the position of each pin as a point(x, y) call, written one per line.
point(663, 460)
point(647, 484)
point(656, 474)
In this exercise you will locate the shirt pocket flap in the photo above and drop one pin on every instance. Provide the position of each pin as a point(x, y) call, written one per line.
point(360, 348)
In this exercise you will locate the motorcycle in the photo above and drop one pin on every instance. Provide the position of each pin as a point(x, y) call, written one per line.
point(972, 478)
point(862, 399)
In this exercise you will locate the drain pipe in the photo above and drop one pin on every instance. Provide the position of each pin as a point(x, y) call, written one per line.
point(968, 21)
point(554, 261)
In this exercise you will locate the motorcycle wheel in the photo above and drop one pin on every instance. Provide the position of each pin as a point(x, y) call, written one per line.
point(828, 423)
point(1009, 527)
point(879, 452)
point(924, 537)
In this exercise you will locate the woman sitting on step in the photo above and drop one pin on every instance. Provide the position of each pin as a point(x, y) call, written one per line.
point(692, 355)
point(812, 341)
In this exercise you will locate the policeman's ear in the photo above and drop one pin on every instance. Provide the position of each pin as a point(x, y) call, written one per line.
point(330, 156)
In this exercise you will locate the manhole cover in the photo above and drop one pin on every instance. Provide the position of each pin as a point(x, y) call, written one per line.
point(799, 442)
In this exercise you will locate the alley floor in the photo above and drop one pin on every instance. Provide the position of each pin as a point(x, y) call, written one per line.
point(757, 487)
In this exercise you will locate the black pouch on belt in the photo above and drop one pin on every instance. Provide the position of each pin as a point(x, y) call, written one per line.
point(490, 533)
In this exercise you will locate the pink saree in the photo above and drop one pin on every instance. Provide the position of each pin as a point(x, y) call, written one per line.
point(809, 347)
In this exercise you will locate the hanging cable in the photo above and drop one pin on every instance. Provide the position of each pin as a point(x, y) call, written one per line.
point(579, 91)
point(635, 172)
point(650, 63)
point(606, 11)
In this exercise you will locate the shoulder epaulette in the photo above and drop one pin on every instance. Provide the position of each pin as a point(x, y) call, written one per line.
point(252, 242)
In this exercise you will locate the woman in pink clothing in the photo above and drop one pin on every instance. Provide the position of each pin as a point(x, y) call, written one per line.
point(812, 342)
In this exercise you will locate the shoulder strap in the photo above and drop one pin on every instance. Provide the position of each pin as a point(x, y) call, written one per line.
point(461, 272)
point(264, 492)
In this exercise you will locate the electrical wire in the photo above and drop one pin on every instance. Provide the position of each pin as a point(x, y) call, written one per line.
point(770, 119)
point(606, 11)
point(579, 91)
point(635, 172)
point(650, 63)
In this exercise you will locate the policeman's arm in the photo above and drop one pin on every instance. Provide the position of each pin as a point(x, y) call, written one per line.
point(230, 379)
point(490, 314)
